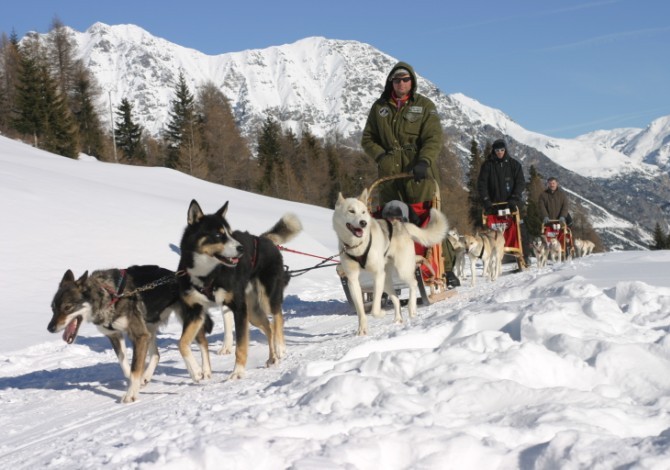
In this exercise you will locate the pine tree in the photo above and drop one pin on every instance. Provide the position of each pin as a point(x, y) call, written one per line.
point(128, 134)
point(42, 112)
point(534, 188)
point(269, 157)
point(225, 151)
point(9, 71)
point(660, 238)
point(182, 129)
point(474, 204)
point(82, 104)
point(30, 110)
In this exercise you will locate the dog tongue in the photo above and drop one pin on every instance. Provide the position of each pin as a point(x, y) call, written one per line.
point(70, 331)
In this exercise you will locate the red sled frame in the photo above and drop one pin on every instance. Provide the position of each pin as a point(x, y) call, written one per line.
point(560, 231)
point(510, 223)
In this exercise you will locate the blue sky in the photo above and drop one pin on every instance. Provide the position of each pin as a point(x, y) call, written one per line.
point(560, 68)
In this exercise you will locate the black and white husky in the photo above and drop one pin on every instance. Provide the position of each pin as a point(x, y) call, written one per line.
point(237, 270)
point(380, 247)
point(133, 302)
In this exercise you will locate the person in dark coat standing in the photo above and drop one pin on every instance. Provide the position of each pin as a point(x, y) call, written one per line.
point(403, 134)
point(501, 180)
point(554, 203)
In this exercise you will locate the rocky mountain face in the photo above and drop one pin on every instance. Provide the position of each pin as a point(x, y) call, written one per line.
point(327, 86)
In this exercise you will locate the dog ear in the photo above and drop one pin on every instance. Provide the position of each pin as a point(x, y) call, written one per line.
point(364, 196)
point(83, 278)
point(340, 199)
point(194, 212)
point(222, 212)
point(67, 277)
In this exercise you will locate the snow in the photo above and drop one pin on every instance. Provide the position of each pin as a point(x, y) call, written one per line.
point(564, 367)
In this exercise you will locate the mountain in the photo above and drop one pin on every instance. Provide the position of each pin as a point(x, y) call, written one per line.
point(328, 86)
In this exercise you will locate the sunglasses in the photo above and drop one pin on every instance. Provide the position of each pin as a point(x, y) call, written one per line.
point(404, 80)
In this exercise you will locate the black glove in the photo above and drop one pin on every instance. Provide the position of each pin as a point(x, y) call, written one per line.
point(512, 206)
point(420, 170)
point(488, 207)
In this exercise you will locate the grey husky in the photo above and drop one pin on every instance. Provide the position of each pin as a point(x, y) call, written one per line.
point(132, 302)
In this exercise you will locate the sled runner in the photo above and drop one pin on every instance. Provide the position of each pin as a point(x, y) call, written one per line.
point(429, 272)
point(560, 231)
point(510, 222)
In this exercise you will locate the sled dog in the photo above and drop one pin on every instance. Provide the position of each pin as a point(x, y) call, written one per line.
point(133, 301)
point(380, 247)
point(489, 246)
point(456, 241)
point(583, 247)
point(243, 272)
point(554, 248)
point(541, 251)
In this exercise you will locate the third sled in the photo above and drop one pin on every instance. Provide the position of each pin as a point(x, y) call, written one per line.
point(509, 222)
point(429, 272)
point(560, 231)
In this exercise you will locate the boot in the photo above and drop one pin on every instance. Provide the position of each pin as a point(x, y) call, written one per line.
point(451, 280)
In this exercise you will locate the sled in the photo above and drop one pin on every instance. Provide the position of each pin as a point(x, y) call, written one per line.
point(560, 231)
point(509, 222)
point(429, 272)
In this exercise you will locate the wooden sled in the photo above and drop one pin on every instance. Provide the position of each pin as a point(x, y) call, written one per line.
point(510, 223)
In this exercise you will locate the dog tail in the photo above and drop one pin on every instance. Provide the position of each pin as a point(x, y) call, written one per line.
point(433, 233)
point(284, 230)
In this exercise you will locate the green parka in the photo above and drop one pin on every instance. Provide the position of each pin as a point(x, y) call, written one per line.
point(398, 139)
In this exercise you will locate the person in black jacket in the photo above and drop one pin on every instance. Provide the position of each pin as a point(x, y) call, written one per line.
point(501, 180)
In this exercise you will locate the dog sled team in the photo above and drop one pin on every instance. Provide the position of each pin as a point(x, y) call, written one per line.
point(403, 243)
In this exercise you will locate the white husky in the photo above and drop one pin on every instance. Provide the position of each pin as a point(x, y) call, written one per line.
point(379, 247)
point(583, 247)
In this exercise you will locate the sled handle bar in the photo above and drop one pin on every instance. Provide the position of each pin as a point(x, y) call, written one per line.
point(384, 179)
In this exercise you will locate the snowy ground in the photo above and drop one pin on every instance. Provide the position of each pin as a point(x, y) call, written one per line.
point(566, 367)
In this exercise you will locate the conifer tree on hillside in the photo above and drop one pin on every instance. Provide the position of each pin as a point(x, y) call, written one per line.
point(128, 134)
point(82, 104)
point(534, 189)
point(9, 72)
point(474, 204)
point(269, 157)
point(660, 238)
point(61, 56)
point(225, 150)
point(41, 111)
point(181, 133)
point(453, 195)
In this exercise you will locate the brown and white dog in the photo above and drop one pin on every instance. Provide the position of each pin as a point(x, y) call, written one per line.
point(489, 246)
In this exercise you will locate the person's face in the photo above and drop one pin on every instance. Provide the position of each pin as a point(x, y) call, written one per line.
point(402, 85)
point(500, 152)
point(553, 185)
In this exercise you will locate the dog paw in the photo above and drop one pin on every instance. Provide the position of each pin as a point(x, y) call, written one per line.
point(362, 332)
point(236, 374)
point(377, 313)
point(196, 376)
point(225, 350)
point(398, 320)
point(128, 398)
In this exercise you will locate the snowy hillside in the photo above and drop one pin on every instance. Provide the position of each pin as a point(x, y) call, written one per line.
point(564, 367)
point(650, 145)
